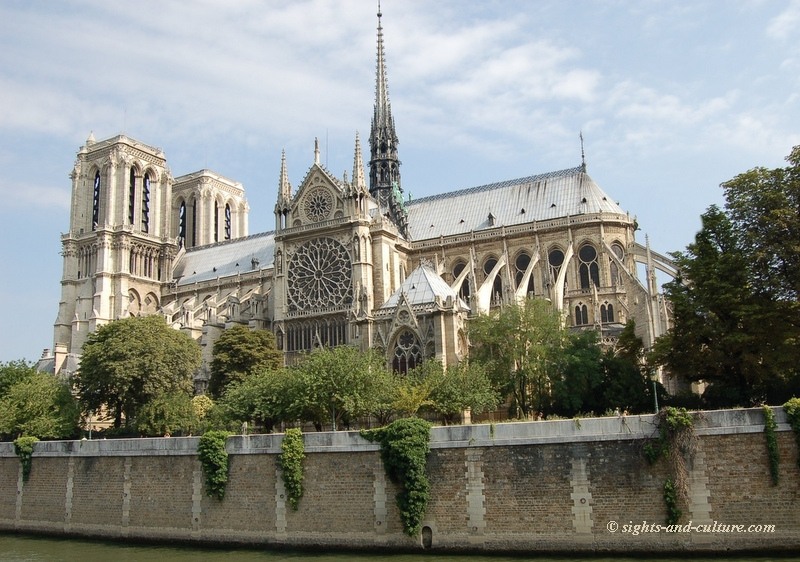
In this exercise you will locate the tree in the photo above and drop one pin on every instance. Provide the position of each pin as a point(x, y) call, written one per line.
point(240, 352)
point(578, 387)
point(264, 398)
point(38, 404)
point(461, 387)
point(735, 301)
point(335, 385)
point(13, 372)
point(518, 346)
point(167, 414)
point(129, 362)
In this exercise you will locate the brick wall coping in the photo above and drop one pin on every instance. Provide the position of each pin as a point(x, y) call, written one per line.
point(615, 428)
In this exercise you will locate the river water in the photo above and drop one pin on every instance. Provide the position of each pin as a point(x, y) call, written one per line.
point(19, 548)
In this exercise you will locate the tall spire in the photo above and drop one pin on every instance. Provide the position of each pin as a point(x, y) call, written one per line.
point(284, 187)
point(384, 164)
point(359, 182)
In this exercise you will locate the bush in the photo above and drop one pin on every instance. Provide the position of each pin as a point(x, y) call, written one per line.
point(291, 462)
point(214, 459)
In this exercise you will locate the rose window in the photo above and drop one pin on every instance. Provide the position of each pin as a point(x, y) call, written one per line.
point(319, 275)
point(318, 204)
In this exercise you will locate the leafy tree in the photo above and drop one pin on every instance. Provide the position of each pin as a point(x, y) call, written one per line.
point(41, 405)
point(336, 385)
point(736, 301)
point(462, 386)
point(240, 352)
point(129, 362)
point(13, 372)
point(518, 347)
point(264, 398)
point(167, 414)
point(578, 388)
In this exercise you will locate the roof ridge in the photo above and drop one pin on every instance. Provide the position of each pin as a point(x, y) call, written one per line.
point(498, 185)
point(231, 241)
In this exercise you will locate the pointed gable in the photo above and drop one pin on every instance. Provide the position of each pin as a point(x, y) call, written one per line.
point(424, 287)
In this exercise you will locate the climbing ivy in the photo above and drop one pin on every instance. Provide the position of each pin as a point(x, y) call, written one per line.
point(291, 462)
point(770, 426)
point(405, 444)
point(23, 446)
point(214, 459)
point(792, 409)
point(676, 442)
point(671, 501)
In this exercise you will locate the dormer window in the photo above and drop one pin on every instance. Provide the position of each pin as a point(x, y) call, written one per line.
point(491, 219)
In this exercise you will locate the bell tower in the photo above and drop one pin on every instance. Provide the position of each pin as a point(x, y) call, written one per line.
point(118, 252)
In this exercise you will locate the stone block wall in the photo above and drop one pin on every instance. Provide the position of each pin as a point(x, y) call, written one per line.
point(566, 486)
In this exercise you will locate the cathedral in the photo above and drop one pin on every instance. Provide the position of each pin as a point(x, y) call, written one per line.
point(351, 260)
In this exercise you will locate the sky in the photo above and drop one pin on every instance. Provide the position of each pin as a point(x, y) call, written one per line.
point(672, 98)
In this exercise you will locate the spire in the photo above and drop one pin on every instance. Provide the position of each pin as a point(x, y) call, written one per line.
point(316, 151)
point(359, 181)
point(384, 163)
point(284, 187)
point(583, 154)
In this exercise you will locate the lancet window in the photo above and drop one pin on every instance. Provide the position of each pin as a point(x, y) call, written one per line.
point(407, 352)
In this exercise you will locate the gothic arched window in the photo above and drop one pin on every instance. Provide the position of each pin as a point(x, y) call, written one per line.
point(182, 223)
point(497, 284)
point(227, 222)
point(581, 315)
point(407, 352)
point(146, 203)
point(521, 265)
point(620, 253)
point(216, 221)
point(463, 291)
point(606, 313)
point(131, 196)
point(589, 271)
point(194, 223)
point(96, 201)
point(556, 259)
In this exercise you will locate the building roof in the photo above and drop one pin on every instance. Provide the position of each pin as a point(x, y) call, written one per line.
point(534, 198)
point(423, 286)
point(204, 263)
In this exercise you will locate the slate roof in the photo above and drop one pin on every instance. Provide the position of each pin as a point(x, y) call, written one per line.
point(542, 197)
point(421, 287)
point(223, 259)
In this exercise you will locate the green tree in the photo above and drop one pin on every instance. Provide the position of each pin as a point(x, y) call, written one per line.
point(240, 352)
point(735, 302)
point(518, 347)
point(578, 387)
point(129, 362)
point(336, 385)
point(41, 405)
point(264, 399)
point(167, 414)
point(13, 372)
point(460, 387)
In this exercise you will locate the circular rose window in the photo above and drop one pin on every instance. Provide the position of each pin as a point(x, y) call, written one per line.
point(319, 275)
point(318, 204)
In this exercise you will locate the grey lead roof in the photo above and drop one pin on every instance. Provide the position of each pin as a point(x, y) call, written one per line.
point(227, 258)
point(423, 286)
point(534, 198)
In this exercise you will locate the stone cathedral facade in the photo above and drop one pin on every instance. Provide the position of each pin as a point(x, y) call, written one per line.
point(351, 261)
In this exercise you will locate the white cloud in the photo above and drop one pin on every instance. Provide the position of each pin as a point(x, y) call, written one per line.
point(786, 23)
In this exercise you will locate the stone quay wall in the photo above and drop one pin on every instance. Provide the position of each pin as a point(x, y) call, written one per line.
point(535, 487)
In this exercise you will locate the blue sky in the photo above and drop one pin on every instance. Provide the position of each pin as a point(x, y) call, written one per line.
point(673, 97)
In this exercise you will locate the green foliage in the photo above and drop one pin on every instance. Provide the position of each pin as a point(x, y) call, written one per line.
point(23, 446)
point(240, 352)
point(770, 427)
point(518, 347)
point(671, 501)
point(38, 404)
point(129, 362)
point(672, 422)
point(169, 413)
point(291, 462)
point(459, 387)
point(335, 385)
point(214, 459)
point(404, 450)
point(737, 298)
point(13, 372)
point(201, 405)
point(264, 398)
point(792, 409)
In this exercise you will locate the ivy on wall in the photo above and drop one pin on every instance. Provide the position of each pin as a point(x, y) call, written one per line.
point(214, 459)
point(770, 427)
point(792, 409)
point(23, 446)
point(291, 463)
point(405, 444)
point(677, 443)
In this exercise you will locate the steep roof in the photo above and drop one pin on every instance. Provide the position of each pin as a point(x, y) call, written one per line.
point(423, 286)
point(542, 197)
point(223, 259)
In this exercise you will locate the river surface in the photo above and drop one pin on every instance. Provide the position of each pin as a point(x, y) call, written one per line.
point(18, 548)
